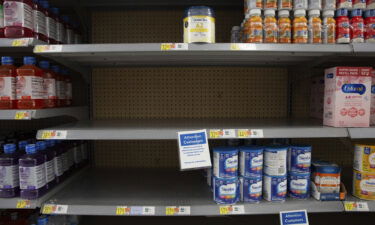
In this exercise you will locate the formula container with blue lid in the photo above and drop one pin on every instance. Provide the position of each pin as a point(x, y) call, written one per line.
point(274, 188)
point(225, 162)
point(275, 162)
point(251, 161)
point(299, 185)
point(299, 158)
point(199, 25)
point(251, 189)
point(226, 190)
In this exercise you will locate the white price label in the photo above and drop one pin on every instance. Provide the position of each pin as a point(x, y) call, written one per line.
point(47, 48)
point(22, 115)
point(356, 206)
point(242, 46)
point(55, 209)
point(174, 46)
point(250, 133)
point(54, 134)
point(222, 133)
point(232, 209)
point(135, 210)
point(177, 210)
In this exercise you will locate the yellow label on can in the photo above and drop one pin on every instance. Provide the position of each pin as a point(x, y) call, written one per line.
point(199, 29)
point(364, 158)
point(364, 185)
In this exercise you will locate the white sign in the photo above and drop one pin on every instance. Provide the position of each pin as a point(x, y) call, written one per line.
point(193, 150)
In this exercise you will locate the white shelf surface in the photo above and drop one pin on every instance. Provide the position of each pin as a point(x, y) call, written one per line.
point(166, 129)
point(364, 133)
point(78, 112)
point(11, 203)
point(101, 191)
point(371, 204)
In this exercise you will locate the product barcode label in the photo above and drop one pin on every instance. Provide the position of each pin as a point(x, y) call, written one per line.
point(22, 115)
point(356, 206)
point(23, 204)
point(177, 210)
point(47, 48)
point(135, 210)
point(173, 46)
point(250, 133)
point(20, 42)
point(55, 209)
point(232, 209)
point(54, 134)
point(281, 170)
point(222, 133)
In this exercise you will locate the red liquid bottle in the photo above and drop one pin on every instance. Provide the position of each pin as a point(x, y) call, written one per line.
point(1, 19)
point(18, 18)
point(7, 83)
point(68, 87)
point(357, 26)
point(30, 89)
point(50, 23)
point(60, 86)
point(40, 22)
point(60, 29)
point(49, 78)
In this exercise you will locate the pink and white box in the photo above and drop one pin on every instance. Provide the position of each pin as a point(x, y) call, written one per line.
point(347, 97)
point(372, 118)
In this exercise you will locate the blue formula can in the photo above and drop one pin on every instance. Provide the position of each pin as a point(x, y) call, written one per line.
point(226, 190)
point(299, 158)
point(251, 161)
point(275, 163)
point(299, 185)
point(274, 188)
point(225, 162)
point(251, 189)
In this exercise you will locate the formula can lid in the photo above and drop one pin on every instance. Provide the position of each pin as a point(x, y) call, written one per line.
point(251, 148)
point(225, 149)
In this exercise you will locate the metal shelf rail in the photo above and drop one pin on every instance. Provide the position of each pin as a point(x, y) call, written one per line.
point(78, 112)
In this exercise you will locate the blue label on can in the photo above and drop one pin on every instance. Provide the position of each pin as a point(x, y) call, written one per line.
point(299, 185)
point(251, 189)
point(275, 188)
point(226, 191)
point(354, 88)
point(251, 163)
point(226, 164)
point(299, 159)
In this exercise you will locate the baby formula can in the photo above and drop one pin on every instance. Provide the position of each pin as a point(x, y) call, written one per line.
point(299, 158)
point(225, 162)
point(364, 185)
point(275, 160)
point(274, 188)
point(326, 176)
point(226, 190)
point(299, 185)
point(199, 25)
point(364, 158)
point(251, 161)
point(251, 189)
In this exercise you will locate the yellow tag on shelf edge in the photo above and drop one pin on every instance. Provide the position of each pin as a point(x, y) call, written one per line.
point(48, 209)
point(122, 210)
point(356, 206)
point(22, 115)
point(23, 204)
point(232, 209)
point(19, 42)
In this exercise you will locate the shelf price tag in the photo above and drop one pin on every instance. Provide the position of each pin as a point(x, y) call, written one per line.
point(122, 210)
point(173, 46)
point(232, 209)
point(356, 206)
point(250, 133)
point(54, 209)
point(54, 134)
point(20, 42)
point(47, 48)
point(135, 210)
point(222, 133)
point(297, 217)
point(177, 210)
point(22, 115)
point(242, 46)
point(23, 204)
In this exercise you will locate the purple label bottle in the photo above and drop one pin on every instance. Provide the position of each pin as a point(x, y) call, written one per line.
point(9, 178)
point(49, 156)
point(32, 174)
point(58, 161)
point(22, 146)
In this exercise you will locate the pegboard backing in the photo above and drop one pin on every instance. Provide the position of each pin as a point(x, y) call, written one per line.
point(140, 25)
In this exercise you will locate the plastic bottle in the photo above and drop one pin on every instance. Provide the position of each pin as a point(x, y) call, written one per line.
point(78, 33)
point(300, 32)
point(300, 4)
point(70, 147)
point(357, 26)
point(68, 87)
point(270, 4)
point(285, 27)
point(60, 86)
point(49, 79)
point(49, 163)
point(1, 19)
point(60, 29)
point(18, 18)
point(342, 26)
point(255, 33)
point(329, 5)
point(57, 161)
point(344, 4)
point(65, 157)
point(359, 4)
point(370, 4)
point(9, 178)
point(8, 77)
point(315, 4)
point(32, 174)
point(234, 36)
point(30, 89)
point(69, 29)
point(370, 26)
point(315, 27)
point(40, 26)
point(22, 146)
point(51, 25)
point(270, 26)
point(253, 4)
point(329, 27)
point(77, 154)
point(285, 4)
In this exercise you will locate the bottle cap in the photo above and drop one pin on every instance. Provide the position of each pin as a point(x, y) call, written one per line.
point(283, 13)
point(9, 148)
point(370, 13)
point(30, 149)
point(314, 12)
point(7, 60)
point(41, 145)
point(44, 64)
point(255, 12)
point(55, 68)
point(328, 13)
point(342, 12)
point(55, 11)
point(43, 220)
point(299, 12)
point(269, 12)
point(22, 145)
point(356, 12)
point(28, 60)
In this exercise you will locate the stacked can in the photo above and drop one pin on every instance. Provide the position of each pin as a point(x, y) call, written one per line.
point(251, 172)
point(299, 167)
point(364, 172)
point(275, 176)
point(225, 183)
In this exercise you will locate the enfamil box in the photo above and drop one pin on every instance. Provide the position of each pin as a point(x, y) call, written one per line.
point(372, 117)
point(347, 96)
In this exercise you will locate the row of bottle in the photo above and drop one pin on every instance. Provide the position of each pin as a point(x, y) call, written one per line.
point(58, 220)
point(331, 30)
point(37, 19)
point(308, 4)
point(44, 165)
point(32, 87)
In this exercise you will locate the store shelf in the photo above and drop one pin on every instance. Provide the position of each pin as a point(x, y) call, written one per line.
point(371, 204)
point(159, 129)
point(364, 133)
point(101, 191)
point(11, 203)
point(365, 49)
point(224, 54)
point(18, 45)
point(79, 113)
